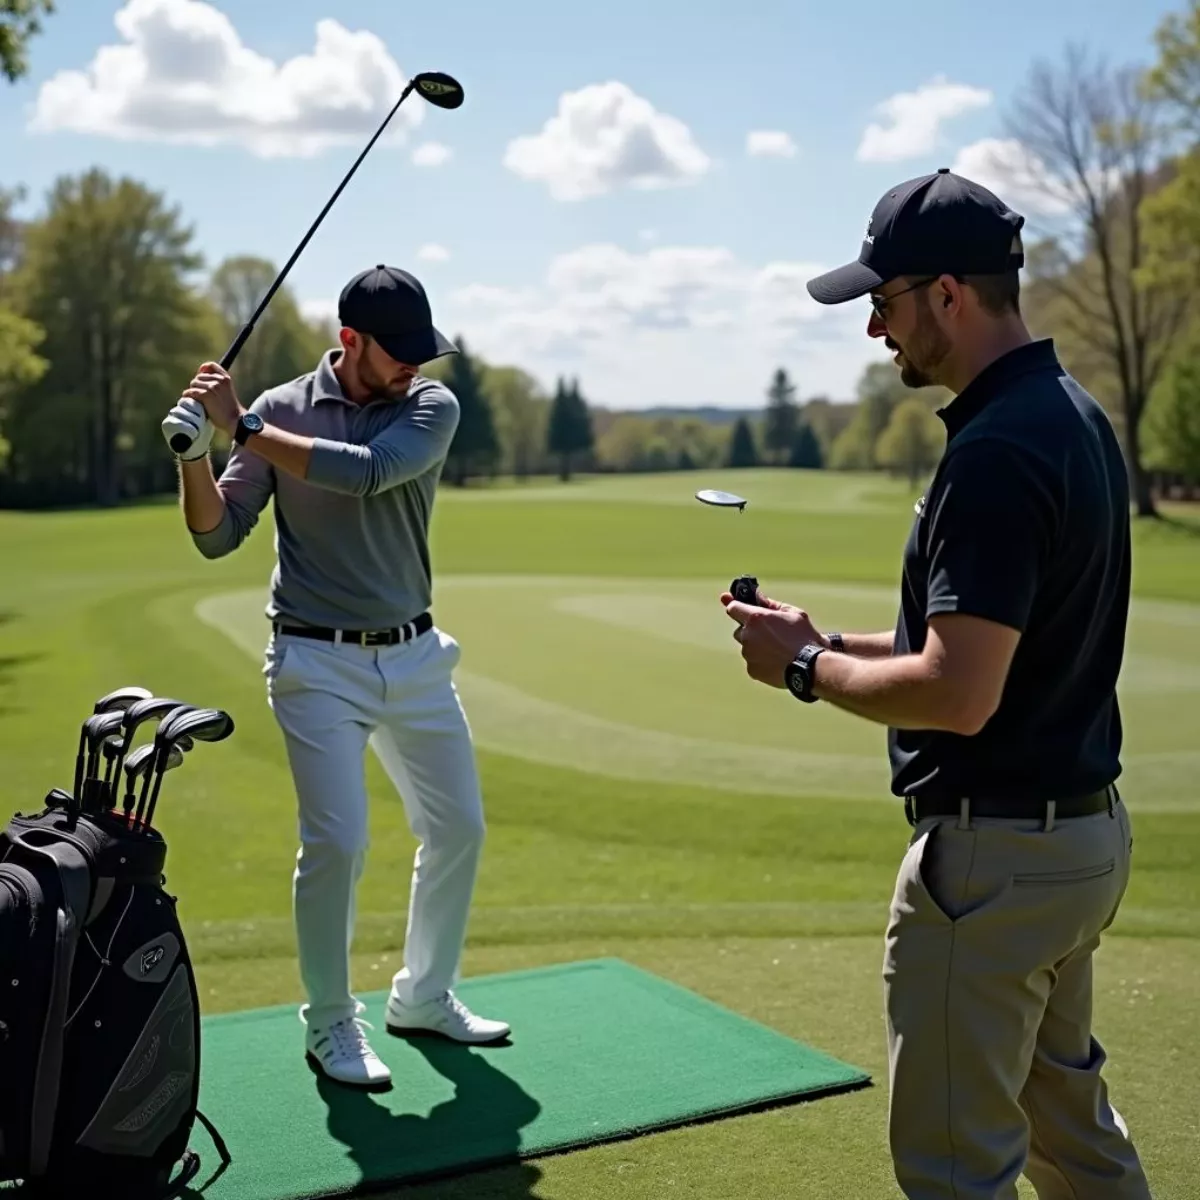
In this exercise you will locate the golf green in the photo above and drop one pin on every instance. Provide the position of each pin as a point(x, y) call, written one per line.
point(600, 1050)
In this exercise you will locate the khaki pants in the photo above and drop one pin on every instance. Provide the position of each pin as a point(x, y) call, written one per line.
point(993, 1068)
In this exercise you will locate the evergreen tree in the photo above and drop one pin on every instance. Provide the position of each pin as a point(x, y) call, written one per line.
point(805, 449)
point(569, 430)
point(782, 416)
point(475, 447)
point(742, 450)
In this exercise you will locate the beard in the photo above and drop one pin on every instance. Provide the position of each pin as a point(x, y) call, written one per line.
point(384, 389)
point(927, 348)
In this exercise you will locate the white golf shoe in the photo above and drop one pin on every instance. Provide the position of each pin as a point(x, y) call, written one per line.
point(340, 1049)
point(446, 1015)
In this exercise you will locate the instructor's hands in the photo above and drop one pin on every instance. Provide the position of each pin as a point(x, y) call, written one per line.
point(189, 417)
point(213, 388)
point(770, 636)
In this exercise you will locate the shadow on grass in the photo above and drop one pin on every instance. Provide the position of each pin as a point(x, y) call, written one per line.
point(484, 1120)
point(10, 664)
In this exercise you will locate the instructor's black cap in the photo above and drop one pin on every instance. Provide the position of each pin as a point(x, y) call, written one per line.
point(391, 306)
point(939, 224)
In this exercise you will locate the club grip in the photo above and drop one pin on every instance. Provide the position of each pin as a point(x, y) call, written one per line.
point(180, 441)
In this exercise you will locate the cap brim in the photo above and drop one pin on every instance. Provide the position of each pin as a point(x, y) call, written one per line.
point(416, 348)
point(844, 283)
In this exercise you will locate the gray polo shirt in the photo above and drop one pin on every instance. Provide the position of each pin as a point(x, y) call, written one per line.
point(352, 538)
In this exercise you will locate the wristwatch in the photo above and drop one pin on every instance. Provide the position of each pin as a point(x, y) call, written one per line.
point(248, 423)
point(798, 675)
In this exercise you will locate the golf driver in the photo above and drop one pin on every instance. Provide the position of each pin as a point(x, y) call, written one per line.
point(744, 588)
point(202, 724)
point(122, 699)
point(442, 91)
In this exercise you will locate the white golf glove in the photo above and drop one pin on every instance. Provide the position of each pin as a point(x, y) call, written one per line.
point(189, 417)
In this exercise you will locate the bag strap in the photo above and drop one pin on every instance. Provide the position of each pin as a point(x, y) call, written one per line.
point(191, 1163)
point(75, 886)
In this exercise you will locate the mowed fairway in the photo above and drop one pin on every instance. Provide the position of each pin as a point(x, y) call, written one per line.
point(644, 798)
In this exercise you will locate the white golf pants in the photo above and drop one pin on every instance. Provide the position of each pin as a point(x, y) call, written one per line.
point(330, 700)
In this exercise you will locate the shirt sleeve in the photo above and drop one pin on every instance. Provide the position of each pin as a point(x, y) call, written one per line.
point(417, 440)
point(991, 534)
point(247, 483)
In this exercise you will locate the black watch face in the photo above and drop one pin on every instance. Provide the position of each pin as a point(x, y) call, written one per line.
point(795, 680)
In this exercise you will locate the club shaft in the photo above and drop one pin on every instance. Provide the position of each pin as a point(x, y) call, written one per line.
point(180, 442)
point(247, 329)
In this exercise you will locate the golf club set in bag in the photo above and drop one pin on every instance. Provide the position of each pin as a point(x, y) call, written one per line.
point(99, 1012)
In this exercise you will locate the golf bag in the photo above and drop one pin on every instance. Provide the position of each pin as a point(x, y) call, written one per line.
point(99, 1014)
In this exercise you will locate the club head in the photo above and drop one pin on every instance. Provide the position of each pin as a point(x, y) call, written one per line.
point(440, 89)
point(97, 729)
point(139, 763)
point(720, 499)
point(122, 698)
point(203, 724)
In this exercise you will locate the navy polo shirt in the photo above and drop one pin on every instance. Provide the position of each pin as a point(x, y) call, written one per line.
point(1025, 522)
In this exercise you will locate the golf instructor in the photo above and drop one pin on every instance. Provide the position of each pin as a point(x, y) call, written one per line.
point(351, 454)
point(998, 686)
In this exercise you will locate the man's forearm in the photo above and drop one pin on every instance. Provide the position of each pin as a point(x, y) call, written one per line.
point(899, 692)
point(285, 451)
point(869, 645)
point(203, 504)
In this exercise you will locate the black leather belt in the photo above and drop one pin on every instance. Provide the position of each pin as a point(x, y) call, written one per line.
point(1018, 808)
point(362, 637)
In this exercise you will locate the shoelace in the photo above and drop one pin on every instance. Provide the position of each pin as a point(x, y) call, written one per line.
point(349, 1039)
point(452, 1002)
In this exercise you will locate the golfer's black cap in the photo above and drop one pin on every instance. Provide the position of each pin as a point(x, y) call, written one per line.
point(391, 306)
point(939, 224)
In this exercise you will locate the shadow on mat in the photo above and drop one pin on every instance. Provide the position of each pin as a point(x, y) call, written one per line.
point(484, 1120)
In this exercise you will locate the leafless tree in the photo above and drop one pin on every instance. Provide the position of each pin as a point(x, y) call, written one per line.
point(1094, 143)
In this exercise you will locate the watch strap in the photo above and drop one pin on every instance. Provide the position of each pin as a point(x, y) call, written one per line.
point(799, 674)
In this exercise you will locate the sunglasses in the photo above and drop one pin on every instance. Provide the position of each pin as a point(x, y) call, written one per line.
point(880, 303)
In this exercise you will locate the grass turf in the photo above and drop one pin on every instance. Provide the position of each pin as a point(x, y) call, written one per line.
point(766, 901)
point(601, 1050)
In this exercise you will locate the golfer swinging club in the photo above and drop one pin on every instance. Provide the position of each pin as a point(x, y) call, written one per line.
point(352, 454)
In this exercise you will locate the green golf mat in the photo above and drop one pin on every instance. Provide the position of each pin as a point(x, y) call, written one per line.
point(599, 1050)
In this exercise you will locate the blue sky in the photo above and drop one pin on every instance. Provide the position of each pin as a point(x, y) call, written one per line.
point(595, 206)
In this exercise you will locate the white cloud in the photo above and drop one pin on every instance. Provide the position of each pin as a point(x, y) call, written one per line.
point(431, 154)
point(183, 75)
point(764, 143)
point(676, 325)
point(603, 137)
point(432, 252)
point(911, 121)
point(1004, 166)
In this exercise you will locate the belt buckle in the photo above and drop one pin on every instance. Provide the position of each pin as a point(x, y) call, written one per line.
point(377, 637)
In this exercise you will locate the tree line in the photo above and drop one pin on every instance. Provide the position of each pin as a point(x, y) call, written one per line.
point(106, 305)
point(106, 309)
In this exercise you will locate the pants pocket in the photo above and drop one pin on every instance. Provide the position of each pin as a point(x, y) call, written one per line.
point(1078, 875)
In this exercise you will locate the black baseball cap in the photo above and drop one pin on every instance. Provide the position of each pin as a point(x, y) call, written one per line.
point(939, 224)
point(391, 306)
